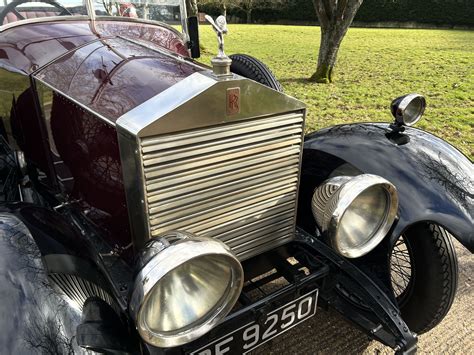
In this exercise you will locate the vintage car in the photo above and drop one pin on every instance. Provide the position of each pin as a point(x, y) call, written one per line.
point(153, 204)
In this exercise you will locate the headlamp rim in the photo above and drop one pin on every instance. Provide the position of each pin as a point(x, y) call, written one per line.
point(402, 106)
point(349, 192)
point(165, 262)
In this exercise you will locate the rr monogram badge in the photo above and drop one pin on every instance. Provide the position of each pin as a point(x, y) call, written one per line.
point(233, 101)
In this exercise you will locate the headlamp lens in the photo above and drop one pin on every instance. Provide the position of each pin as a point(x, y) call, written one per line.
point(187, 294)
point(363, 218)
point(185, 286)
point(355, 212)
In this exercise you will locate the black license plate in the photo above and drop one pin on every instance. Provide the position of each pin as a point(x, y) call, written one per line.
point(253, 334)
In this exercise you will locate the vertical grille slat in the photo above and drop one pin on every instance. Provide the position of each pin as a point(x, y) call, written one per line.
point(236, 182)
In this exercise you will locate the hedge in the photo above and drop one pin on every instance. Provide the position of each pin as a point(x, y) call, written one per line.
point(439, 12)
point(450, 12)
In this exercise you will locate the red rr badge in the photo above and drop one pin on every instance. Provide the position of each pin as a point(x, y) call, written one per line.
point(233, 101)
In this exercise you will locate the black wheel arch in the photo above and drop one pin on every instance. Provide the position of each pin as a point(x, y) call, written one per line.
point(49, 270)
point(38, 315)
point(62, 248)
point(435, 181)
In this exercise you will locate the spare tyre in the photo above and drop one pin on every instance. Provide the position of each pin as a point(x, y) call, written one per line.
point(252, 68)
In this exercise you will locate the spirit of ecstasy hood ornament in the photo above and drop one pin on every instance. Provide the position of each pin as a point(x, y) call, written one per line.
point(220, 63)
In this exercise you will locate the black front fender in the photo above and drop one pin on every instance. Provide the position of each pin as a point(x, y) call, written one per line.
point(435, 181)
point(35, 318)
point(47, 272)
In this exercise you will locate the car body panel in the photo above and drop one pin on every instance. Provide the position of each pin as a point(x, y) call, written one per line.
point(40, 318)
point(435, 181)
point(111, 76)
point(87, 162)
point(85, 76)
point(29, 47)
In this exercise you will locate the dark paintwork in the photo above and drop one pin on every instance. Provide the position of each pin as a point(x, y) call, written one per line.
point(102, 68)
point(435, 182)
point(89, 149)
point(28, 47)
point(40, 319)
point(53, 235)
point(112, 76)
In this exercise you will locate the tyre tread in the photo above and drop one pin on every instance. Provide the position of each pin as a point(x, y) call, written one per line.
point(449, 264)
point(254, 69)
point(434, 284)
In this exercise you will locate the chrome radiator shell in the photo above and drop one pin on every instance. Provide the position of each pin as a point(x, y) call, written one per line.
point(190, 166)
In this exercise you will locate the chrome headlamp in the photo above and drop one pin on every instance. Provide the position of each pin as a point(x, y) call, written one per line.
point(185, 286)
point(356, 212)
point(408, 109)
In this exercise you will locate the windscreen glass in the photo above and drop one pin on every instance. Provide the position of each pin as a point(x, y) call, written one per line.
point(167, 11)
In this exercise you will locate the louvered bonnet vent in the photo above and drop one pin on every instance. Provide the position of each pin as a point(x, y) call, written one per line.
point(214, 158)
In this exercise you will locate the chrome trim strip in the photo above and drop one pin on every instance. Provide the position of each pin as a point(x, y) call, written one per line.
point(90, 10)
point(184, 20)
point(133, 178)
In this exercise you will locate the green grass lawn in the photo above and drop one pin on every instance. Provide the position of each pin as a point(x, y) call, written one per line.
point(374, 66)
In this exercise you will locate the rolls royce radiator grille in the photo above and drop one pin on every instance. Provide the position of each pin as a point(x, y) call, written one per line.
point(236, 182)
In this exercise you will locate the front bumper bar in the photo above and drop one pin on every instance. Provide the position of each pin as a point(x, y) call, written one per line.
point(352, 293)
point(341, 285)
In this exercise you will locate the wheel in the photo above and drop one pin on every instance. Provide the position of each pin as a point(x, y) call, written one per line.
point(252, 68)
point(424, 275)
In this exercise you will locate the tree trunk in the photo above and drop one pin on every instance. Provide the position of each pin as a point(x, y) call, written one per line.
point(249, 15)
point(224, 10)
point(335, 17)
point(331, 39)
point(191, 7)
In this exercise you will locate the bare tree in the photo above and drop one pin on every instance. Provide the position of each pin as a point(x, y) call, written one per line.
point(335, 17)
point(247, 6)
point(223, 4)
